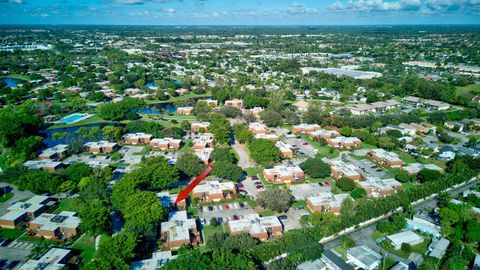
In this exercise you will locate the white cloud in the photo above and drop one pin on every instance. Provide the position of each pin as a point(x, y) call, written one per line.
point(376, 5)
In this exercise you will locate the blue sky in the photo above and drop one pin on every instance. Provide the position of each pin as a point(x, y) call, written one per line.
point(243, 12)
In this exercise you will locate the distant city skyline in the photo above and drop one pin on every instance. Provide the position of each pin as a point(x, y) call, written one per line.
point(246, 12)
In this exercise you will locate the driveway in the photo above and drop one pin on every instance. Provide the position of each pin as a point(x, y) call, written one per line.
point(243, 158)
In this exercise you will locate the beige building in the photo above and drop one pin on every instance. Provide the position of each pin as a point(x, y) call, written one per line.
point(385, 158)
point(137, 138)
point(179, 230)
point(258, 128)
point(184, 110)
point(305, 128)
point(326, 201)
point(214, 191)
point(344, 142)
point(262, 228)
point(339, 169)
point(100, 147)
point(63, 226)
point(285, 149)
point(376, 187)
point(165, 144)
point(323, 133)
point(282, 174)
point(197, 127)
point(237, 103)
point(19, 213)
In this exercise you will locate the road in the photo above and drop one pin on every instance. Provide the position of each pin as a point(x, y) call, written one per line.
point(243, 158)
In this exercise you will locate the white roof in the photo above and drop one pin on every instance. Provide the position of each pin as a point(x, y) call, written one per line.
point(346, 169)
point(342, 139)
point(417, 167)
point(214, 187)
point(328, 198)
point(65, 219)
point(100, 144)
point(137, 135)
point(390, 156)
point(404, 237)
point(178, 226)
point(39, 164)
point(158, 259)
point(283, 147)
point(52, 260)
point(253, 223)
point(57, 149)
point(365, 255)
point(166, 140)
point(284, 170)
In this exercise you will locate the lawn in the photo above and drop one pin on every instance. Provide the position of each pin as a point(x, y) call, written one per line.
point(180, 117)
point(86, 243)
point(252, 203)
point(323, 150)
point(17, 76)
point(297, 204)
point(420, 248)
point(11, 233)
point(65, 205)
point(210, 229)
point(91, 120)
point(254, 171)
point(439, 163)
point(186, 146)
point(467, 89)
point(266, 213)
point(405, 157)
point(6, 197)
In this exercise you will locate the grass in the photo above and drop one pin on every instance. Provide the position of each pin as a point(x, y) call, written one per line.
point(86, 243)
point(342, 251)
point(6, 197)
point(405, 157)
point(388, 263)
point(210, 229)
point(192, 210)
point(11, 233)
point(91, 120)
point(420, 248)
point(266, 213)
point(252, 203)
point(65, 205)
point(16, 76)
point(440, 163)
point(27, 238)
point(180, 117)
point(186, 146)
point(254, 171)
point(460, 90)
point(323, 150)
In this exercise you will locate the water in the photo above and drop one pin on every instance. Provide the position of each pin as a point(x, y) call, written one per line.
point(153, 85)
point(71, 118)
point(72, 131)
point(158, 108)
point(11, 82)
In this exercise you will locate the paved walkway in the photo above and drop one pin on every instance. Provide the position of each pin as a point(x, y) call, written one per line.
point(243, 158)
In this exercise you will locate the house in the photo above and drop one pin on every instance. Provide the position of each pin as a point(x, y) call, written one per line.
point(446, 153)
point(55, 226)
point(237, 103)
point(214, 191)
point(407, 129)
point(262, 228)
point(184, 110)
point(199, 127)
point(137, 138)
point(181, 91)
point(344, 142)
point(452, 125)
point(165, 144)
point(431, 104)
point(305, 128)
point(100, 147)
point(54, 153)
point(179, 230)
point(258, 128)
point(414, 168)
point(159, 259)
point(21, 212)
point(285, 149)
point(301, 105)
point(54, 259)
point(364, 257)
point(376, 187)
point(324, 134)
point(407, 237)
point(438, 248)
point(379, 106)
point(203, 141)
point(326, 201)
point(385, 158)
point(339, 169)
point(334, 262)
point(204, 154)
point(44, 164)
point(132, 91)
point(210, 102)
point(283, 174)
point(312, 265)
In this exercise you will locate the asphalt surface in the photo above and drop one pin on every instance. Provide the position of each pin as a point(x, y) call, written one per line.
point(243, 159)
point(17, 196)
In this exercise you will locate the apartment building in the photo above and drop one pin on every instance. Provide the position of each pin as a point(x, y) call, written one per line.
point(237, 103)
point(56, 227)
point(376, 187)
point(324, 134)
point(204, 154)
point(179, 230)
point(165, 144)
point(210, 102)
point(197, 127)
point(258, 128)
point(203, 141)
point(379, 106)
point(283, 174)
point(305, 128)
point(214, 191)
point(285, 149)
point(54, 259)
point(54, 153)
point(19, 213)
point(326, 201)
point(256, 111)
point(270, 137)
point(100, 147)
point(262, 228)
point(344, 142)
point(185, 110)
point(138, 138)
point(385, 158)
point(429, 103)
point(414, 168)
point(340, 169)
point(44, 164)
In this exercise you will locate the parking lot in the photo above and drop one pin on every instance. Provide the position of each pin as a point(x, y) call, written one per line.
point(293, 218)
point(225, 211)
point(250, 186)
point(367, 167)
point(301, 147)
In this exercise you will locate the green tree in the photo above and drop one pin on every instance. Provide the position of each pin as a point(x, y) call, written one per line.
point(358, 193)
point(275, 199)
point(426, 175)
point(345, 184)
point(95, 216)
point(316, 168)
point(143, 208)
point(114, 252)
point(271, 118)
point(227, 170)
point(264, 152)
point(190, 165)
point(77, 171)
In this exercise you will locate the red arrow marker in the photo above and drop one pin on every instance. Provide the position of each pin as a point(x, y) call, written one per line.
point(184, 193)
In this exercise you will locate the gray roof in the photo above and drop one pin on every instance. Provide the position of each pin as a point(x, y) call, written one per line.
point(365, 255)
point(332, 258)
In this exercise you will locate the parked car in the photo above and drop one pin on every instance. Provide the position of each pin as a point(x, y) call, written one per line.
point(200, 208)
point(240, 186)
point(226, 207)
point(258, 183)
point(255, 177)
point(235, 217)
point(326, 184)
point(243, 192)
point(259, 186)
point(5, 242)
point(299, 137)
point(283, 217)
point(305, 143)
point(203, 221)
point(241, 204)
point(219, 220)
point(300, 208)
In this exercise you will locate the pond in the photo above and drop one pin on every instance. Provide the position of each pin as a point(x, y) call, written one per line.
point(73, 131)
point(11, 82)
point(158, 108)
point(153, 85)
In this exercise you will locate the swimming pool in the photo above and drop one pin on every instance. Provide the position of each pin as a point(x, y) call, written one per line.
point(73, 118)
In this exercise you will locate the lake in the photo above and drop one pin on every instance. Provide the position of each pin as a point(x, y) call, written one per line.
point(158, 108)
point(73, 131)
point(11, 82)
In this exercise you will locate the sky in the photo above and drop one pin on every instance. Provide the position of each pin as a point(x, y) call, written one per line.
point(242, 12)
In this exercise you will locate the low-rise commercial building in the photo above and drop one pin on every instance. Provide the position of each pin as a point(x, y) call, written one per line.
point(414, 168)
point(386, 158)
point(344, 142)
point(214, 191)
point(326, 201)
point(44, 164)
point(159, 259)
point(165, 144)
point(340, 169)
point(55, 226)
point(179, 230)
point(432, 104)
point(285, 149)
point(204, 154)
point(271, 137)
point(324, 134)
point(258, 128)
point(100, 147)
point(262, 228)
point(283, 174)
point(203, 141)
point(364, 257)
point(21, 212)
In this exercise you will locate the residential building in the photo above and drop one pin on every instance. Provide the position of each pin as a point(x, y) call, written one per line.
point(438, 247)
point(305, 128)
point(44, 164)
point(385, 158)
point(100, 147)
point(184, 110)
point(326, 201)
point(312, 265)
point(168, 200)
point(344, 142)
point(210, 102)
point(137, 138)
point(379, 106)
point(55, 226)
point(339, 169)
point(324, 134)
point(270, 137)
point(21, 212)
point(414, 168)
point(376, 187)
point(364, 257)
point(262, 228)
point(181, 91)
point(237, 103)
point(258, 128)
point(400, 266)
point(408, 237)
point(432, 104)
point(254, 111)
point(334, 262)
point(204, 154)
point(197, 127)
point(54, 153)
point(283, 174)
point(285, 149)
point(301, 105)
point(203, 141)
point(165, 144)
point(302, 191)
point(159, 259)
point(214, 191)
point(179, 230)
point(54, 259)
point(408, 129)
